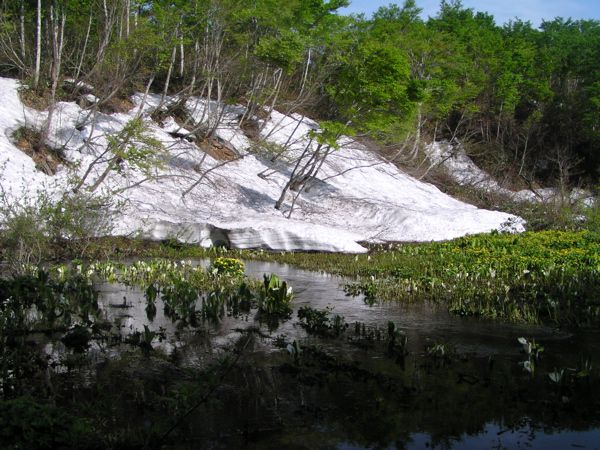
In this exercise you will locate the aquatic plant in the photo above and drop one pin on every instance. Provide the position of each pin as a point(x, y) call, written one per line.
point(275, 296)
point(294, 350)
point(227, 266)
point(397, 340)
point(534, 277)
point(179, 300)
point(318, 321)
point(532, 350)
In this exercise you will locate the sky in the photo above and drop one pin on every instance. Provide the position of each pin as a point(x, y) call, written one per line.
point(502, 10)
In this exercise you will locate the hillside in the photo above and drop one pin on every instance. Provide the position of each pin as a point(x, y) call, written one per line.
point(355, 196)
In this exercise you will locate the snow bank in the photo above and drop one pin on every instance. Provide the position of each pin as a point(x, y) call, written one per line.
point(356, 196)
point(465, 172)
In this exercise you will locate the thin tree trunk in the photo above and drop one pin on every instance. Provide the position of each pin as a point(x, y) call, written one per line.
point(168, 80)
point(58, 29)
point(279, 202)
point(38, 45)
point(22, 29)
point(195, 66)
point(108, 23)
point(85, 43)
point(417, 141)
point(182, 57)
point(141, 108)
point(275, 96)
point(127, 12)
point(305, 75)
point(311, 173)
point(111, 166)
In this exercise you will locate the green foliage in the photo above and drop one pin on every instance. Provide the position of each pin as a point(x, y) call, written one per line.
point(546, 276)
point(35, 229)
point(275, 297)
point(284, 51)
point(319, 322)
point(227, 266)
point(135, 146)
point(370, 87)
point(27, 423)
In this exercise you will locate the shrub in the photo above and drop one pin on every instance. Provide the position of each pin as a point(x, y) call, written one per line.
point(33, 230)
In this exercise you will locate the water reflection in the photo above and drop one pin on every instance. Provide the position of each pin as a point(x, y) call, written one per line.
point(338, 394)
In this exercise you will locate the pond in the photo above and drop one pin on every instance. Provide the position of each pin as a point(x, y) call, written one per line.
point(441, 381)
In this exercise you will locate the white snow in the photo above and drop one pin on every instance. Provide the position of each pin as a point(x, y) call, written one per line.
point(356, 196)
point(463, 170)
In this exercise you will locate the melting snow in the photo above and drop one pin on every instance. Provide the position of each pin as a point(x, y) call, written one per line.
point(465, 172)
point(356, 196)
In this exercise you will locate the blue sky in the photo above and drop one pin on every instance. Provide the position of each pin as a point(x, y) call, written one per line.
point(502, 10)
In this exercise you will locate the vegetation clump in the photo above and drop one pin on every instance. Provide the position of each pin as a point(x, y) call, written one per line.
point(275, 296)
point(227, 266)
point(547, 276)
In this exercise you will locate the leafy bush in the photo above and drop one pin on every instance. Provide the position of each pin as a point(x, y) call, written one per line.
point(25, 423)
point(36, 229)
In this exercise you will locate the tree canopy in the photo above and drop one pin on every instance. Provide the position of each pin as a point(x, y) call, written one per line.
point(529, 94)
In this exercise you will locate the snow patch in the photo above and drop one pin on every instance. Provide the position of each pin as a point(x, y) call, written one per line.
point(463, 170)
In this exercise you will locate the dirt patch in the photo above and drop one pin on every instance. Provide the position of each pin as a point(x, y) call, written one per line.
point(46, 159)
point(35, 99)
point(178, 112)
point(219, 149)
point(251, 128)
point(116, 105)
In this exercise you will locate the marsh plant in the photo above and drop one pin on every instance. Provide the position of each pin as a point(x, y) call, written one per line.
point(320, 321)
point(397, 340)
point(275, 296)
point(231, 267)
point(533, 351)
point(530, 278)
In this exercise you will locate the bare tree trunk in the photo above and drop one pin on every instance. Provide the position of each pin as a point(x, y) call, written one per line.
point(38, 45)
point(108, 24)
point(57, 22)
point(22, 29)
point(110, 167)
point(85, 43)
point(279, 201)
point(305, 74)
point(181, 57)
point(276, 90)
point(195, 66)
point(127, 12)
point(143, 102)
point(417, 141)
point(169, 73)
point(313, 170)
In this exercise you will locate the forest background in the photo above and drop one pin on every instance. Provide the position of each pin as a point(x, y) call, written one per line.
point(519, 98)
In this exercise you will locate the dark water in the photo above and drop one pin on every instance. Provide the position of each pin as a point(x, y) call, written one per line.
point(348, 393)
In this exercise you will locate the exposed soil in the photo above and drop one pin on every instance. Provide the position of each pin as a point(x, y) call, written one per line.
point(46, 159)
point(116, 105)
point(251, 129)
point(37, 100)
point(219, 149)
